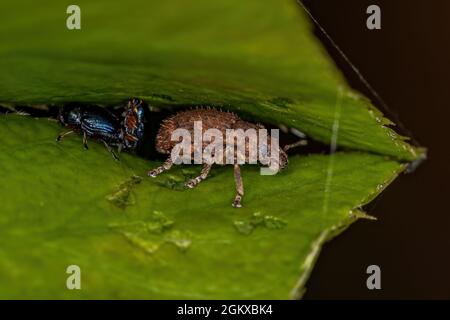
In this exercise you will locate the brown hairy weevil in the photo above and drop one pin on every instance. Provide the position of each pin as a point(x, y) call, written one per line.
point(210, 136)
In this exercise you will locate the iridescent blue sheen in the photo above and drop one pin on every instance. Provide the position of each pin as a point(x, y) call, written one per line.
point(95, 122)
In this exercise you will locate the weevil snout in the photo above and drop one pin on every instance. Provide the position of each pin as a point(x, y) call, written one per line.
point(284, 159)
point(281, 162)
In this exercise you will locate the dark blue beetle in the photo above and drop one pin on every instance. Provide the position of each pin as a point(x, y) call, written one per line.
point(100, 124)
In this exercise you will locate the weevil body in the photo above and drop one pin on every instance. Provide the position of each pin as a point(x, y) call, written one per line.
point(209, 119)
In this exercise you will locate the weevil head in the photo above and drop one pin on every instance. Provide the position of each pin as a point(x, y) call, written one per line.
point(273, 157)
point(280, 162)
point(283, 159)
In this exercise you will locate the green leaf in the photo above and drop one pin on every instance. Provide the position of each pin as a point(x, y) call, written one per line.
point(258, 59)
point(136, 237)
point(63, 205)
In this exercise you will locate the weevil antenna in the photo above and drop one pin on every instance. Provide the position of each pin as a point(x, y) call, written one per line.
point(301, 142)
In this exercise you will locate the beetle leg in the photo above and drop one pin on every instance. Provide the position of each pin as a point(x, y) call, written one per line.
point(164, 167)
point(239, 187)
point(62, 135)
point(108, 147)
point(203, 174)
point(85, 141)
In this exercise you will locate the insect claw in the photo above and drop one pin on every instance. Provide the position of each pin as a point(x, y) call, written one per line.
point(237, 203)
point(191, 184)
point(62, 135)
point(164, 167)
point(152, 173)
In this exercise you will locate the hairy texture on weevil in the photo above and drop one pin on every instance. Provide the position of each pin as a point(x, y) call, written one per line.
point(210, 119)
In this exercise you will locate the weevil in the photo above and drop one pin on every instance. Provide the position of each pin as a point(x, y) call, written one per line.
point(100, 124)
point(209, 118)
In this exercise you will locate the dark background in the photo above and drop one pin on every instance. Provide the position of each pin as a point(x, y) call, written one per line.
point(407, 63)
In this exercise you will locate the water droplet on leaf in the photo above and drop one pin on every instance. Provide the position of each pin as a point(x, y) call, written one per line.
point(258, 220)
point(121, 197)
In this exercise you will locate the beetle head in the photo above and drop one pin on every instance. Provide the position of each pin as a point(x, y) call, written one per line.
point(70, 117)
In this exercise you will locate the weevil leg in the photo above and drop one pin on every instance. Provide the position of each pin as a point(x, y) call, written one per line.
point(239, 187)
point(85, 141)
point(108, 147)
point(164, 167)
point(203, 174)
point(62, 135)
